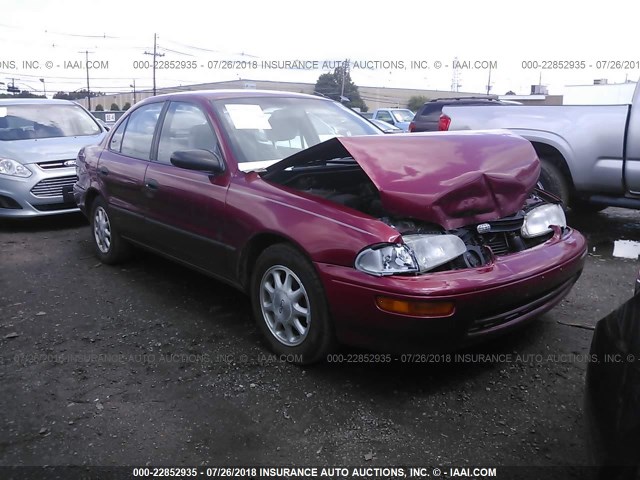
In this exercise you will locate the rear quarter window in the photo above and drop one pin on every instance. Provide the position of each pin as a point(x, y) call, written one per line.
point(430, 111)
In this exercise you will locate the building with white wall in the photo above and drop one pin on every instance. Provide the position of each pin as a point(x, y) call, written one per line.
point(599, 93)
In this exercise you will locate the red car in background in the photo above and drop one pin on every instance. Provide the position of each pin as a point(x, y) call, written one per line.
point(338, 233)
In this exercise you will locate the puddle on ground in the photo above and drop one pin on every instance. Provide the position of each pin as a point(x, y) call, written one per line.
point(619, 249)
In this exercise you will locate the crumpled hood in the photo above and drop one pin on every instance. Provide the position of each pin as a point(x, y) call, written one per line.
point(448, 178)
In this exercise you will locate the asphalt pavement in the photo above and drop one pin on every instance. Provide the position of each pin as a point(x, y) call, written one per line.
point(150, 363)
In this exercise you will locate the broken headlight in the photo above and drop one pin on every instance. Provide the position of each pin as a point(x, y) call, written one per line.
point(419, 253)
point(537, 222)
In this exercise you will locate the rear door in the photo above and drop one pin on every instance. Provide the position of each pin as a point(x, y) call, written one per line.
point(186, 214)
point(122, 167)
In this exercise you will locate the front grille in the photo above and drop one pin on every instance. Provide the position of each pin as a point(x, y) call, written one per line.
point(50, 207)
point(53, 187)
point(54, 164)
point(514, 311)
point(497, 242)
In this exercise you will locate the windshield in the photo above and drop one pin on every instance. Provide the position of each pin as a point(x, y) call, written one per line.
point(29, 121)
point(268, 129)
point(403, 115)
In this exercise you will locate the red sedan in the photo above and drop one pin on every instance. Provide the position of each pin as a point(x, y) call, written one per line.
point(337, 232)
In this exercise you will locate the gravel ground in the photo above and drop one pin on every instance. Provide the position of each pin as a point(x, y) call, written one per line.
point(150, 363)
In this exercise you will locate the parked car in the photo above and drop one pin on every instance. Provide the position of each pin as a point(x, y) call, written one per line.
point(427, 117)
point(386, 127)
point(398, 117)
point(590, 154)
point(39, 142)
point(403, 242)
point(612, 393)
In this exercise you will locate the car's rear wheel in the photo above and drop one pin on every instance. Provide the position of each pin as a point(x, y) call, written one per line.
point(107, 242)
point(289, 305)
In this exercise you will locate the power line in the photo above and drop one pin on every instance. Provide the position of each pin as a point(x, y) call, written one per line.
point(175, 51)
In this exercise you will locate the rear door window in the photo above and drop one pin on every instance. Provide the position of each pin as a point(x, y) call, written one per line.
point(138, 134)
point(385, 117)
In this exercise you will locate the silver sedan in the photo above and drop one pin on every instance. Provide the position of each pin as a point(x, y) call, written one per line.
point(39, 142)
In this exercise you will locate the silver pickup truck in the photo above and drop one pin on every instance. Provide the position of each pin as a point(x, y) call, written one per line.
point(590, 155)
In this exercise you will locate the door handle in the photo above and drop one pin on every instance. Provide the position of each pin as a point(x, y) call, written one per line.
point(151, 184)
point(103, 171)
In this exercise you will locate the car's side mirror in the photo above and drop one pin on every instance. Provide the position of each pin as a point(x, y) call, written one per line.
point(201, 160)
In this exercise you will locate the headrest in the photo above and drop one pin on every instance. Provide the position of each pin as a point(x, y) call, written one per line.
point(285, 125)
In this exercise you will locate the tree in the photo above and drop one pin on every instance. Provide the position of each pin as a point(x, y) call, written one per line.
point(126, 106)
point(78, 95)
point(330, 85)
point(99, 108)
point(114, 106)
point(416, 101)
point(510, 92)
point(22, 94)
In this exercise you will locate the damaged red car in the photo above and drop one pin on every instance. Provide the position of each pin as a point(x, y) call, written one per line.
point(337, 232)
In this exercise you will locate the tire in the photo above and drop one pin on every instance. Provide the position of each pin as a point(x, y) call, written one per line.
point(554, 181)
point(301, 327)
point(109, 247)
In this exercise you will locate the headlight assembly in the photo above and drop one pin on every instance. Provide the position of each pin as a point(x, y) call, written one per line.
point(537, 222)
point(13, 169)
point(386, 260)
point(418, 254)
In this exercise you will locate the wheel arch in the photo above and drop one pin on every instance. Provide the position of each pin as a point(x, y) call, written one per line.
point(90, 197)
point(254, 247)
point(551, 154)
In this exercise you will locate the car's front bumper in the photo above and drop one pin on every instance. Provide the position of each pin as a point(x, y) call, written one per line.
point(45, 192)
point(488, 300)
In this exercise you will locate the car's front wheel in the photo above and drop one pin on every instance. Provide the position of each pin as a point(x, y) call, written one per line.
point(290, 307)
point(553, 181)
point(107, 243)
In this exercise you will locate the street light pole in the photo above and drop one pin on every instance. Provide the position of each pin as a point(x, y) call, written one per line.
point(133, 85)
point(44, 87)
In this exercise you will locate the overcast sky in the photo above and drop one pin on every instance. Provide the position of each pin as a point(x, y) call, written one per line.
point(119, 32)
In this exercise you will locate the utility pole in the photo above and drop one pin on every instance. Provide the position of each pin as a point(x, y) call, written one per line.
point(155, 54)
point(345, 70)
point(489, 81)
point(86, 64)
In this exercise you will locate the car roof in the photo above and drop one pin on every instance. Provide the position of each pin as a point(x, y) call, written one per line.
point(35, 101)
point(236, 93)
point(463, 99)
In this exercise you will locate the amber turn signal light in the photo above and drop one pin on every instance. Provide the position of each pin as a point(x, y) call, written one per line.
point(415, 308)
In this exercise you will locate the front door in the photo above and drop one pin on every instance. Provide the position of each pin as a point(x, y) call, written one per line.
point(186, 208)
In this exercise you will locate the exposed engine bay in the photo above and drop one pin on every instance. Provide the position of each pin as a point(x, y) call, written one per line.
point(343, 181)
